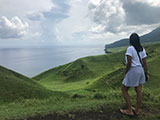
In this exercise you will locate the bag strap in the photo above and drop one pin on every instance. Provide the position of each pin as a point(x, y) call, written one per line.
point(139, 58)
point(146, 78)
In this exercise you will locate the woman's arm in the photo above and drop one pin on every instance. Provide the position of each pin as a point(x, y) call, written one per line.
point(145, 65)
point(129, 61)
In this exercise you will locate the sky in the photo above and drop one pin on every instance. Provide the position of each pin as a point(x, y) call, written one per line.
point(74, 22)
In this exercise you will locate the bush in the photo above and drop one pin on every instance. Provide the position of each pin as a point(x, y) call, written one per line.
point(74, 96)
point(98, 96)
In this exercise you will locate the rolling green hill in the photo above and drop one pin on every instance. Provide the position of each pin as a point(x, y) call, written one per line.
point(90, 71)
point(15, 86)
point(100, 78)
point(77, 74)
point(87, 87)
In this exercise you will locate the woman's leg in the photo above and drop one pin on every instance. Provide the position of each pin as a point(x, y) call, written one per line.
point(139, 98)
point(127, 98)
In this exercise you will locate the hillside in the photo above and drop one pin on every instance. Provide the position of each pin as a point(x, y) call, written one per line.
point(15, 86)
point(151, 37)
point(96, 72)
point(87, 88)
point(77, 74)
point(97, 80)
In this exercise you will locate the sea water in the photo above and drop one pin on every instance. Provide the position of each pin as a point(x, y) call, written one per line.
point(32, 61)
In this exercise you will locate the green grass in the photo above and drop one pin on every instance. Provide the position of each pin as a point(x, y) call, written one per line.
point(81, 73)
point(14, 87)
point(117, 49)
point(82, 85)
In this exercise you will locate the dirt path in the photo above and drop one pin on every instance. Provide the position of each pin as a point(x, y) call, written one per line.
point(101, 114)
point(92, 115)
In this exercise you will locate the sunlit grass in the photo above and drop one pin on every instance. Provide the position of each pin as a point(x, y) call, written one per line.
point(82, 85)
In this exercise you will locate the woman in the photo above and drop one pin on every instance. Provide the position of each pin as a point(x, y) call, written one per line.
point(134, 74)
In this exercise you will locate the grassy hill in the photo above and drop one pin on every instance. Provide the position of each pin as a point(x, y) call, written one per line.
point(80, 73)
point(21, 96)
point(101, 76)
point(89, 72)
point(83, 89)
point(15, 86)
point(148, 38)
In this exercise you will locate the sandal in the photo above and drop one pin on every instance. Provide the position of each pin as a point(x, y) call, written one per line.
point(126, 112)
point(133, 109)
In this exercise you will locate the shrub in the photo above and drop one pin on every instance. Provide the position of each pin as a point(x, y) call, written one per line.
point(98, 96)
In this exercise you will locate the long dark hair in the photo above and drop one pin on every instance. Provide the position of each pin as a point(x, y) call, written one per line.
point(135, 41)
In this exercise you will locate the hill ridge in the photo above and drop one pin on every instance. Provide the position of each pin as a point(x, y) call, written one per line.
point(151, 37)
point(15, 86)
point(54, 95)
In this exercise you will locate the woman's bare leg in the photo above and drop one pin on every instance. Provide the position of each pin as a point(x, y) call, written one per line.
point(139, 98)
point(127, 98)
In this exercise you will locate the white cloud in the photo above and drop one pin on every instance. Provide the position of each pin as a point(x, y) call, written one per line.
point(71, 30)
point(151, 2)
point(116, 19)
point(26, 9)
point(13, 28)
point(107, 23)
point(76, 21)
point(22, 7)
point(97, 29)
point(108, 14)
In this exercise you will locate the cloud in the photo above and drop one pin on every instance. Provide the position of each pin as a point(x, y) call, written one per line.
point(116, 16)
point(76, 21)
point(45, 22)
point(150, 2)
point(107, 14)
point(52, 17)
point(58, 12)
point(74, 28)
point(141, 13)
point(20, 8)
point(38, 16)
point(13, 28)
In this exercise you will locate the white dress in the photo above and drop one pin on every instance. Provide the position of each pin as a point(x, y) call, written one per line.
point(135, 76)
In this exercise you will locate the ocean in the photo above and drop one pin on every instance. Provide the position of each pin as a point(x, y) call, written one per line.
point(32, 61)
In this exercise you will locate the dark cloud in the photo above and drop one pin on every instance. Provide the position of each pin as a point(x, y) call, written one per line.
point(59, 12)
point(109, 14)
point(138, 13)
point(98, 15)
